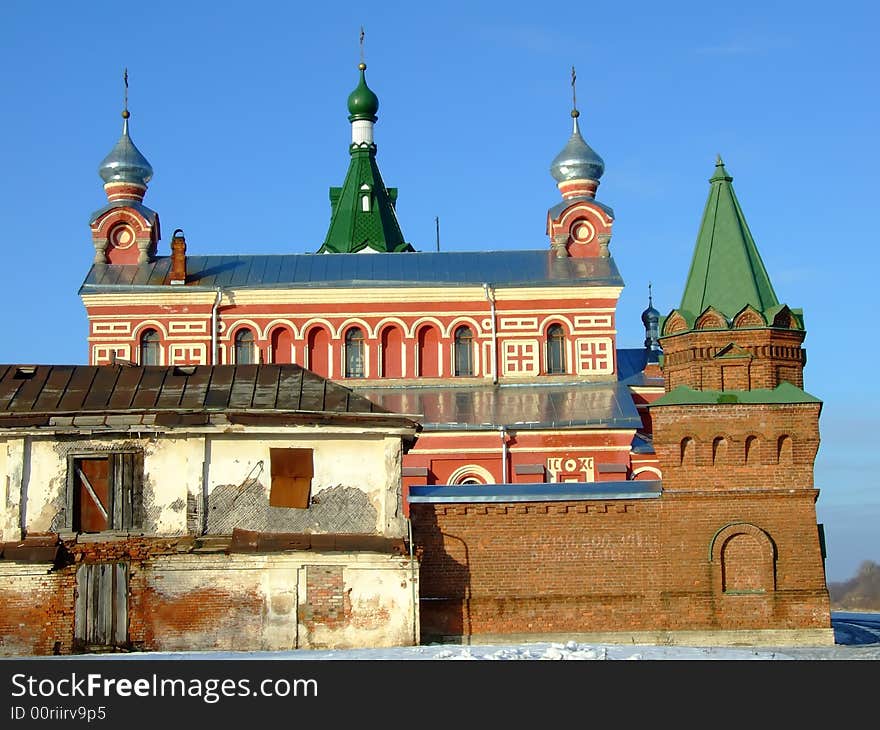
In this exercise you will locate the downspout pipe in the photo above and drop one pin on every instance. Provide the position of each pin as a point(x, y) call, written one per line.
point(490, 297)
point(214, 326)
point(502, 430)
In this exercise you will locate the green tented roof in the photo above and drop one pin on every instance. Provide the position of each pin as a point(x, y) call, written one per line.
point(353, 229)
point(726, 271)
point(783, 393)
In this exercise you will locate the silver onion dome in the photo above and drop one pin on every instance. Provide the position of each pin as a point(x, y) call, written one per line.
point(577, 161)
point(125, 163)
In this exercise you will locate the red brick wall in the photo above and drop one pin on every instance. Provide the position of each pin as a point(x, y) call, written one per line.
point(637, 565)
point(771, 357)
point(769, 464)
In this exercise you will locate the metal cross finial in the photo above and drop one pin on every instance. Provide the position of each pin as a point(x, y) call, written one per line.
point(362, 44)
point(125, 98)
point(650, 298)
point(574, 103)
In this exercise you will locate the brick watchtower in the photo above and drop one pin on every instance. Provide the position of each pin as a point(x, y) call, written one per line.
point(735, 434)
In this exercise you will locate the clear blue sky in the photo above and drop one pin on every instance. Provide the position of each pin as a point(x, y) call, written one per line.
point(240, 109)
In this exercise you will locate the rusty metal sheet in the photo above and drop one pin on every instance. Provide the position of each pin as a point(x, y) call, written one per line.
point(8, 386)
point(172, 389)
point(181, 419)
point(102, 389)
point(54, 388)
point(290, 388)
point(266, 391)
point(29, 391)
point(335, 399)
point(254, 541)
point(196, 388)
point(220, 388)
point(243, 384)
point(284, 393)
point(149, 388)
point(126, 387)
point(312, 396)
point(77, 389)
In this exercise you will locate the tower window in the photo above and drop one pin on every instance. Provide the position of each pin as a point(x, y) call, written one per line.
point(365, 203)
point(555, 349)
point(464, 351)
point(244, 347)
point(150, 347)
point(354, 353)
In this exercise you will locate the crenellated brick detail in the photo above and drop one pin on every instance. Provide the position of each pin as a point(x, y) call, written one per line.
point(737, 446)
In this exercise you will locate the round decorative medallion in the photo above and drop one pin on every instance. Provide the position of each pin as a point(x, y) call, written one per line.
point(122, 236)
point(582, 232)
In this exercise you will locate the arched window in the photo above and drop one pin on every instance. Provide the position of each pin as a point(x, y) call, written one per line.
point(150, 347)
point(244, 347)
point(354, 353)
point(464, 351)
point(555, 349)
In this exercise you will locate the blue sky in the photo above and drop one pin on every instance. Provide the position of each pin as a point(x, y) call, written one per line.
point(240, 109)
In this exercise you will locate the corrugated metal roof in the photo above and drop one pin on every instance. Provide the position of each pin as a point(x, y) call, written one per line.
point(449, 268)
point(560, 405)
point(555, 492)
point(80, 389)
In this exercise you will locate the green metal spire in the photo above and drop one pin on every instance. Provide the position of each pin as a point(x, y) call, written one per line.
point(362, 215)
point(726, 271)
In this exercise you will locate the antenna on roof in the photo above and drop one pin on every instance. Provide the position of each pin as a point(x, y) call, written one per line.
point(437, 226)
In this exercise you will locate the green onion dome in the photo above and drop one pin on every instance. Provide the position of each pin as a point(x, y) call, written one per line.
point(362, 102)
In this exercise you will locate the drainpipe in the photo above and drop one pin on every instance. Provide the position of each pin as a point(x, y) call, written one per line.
point(503, 432)
point(490, 297)
point(412, 581)
point(214, 326)
point(206, 471)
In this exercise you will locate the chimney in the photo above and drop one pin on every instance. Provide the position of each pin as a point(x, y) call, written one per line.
point(178, 258)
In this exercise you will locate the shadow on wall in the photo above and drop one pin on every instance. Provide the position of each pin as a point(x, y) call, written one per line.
point(444, 578)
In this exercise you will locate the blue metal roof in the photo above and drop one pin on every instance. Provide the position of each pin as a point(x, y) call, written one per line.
point(521, 407)
point(539, 492)
point(631, 364)
point(447, 268)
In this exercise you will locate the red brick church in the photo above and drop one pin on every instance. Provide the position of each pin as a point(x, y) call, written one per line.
point(559, 484)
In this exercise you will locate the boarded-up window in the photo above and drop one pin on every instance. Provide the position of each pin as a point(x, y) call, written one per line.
point(107, 492)
point(292, 471)
point(101, 618)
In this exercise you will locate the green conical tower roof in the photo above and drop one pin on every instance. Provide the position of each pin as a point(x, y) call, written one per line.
point(726, 271)
point(362, 216)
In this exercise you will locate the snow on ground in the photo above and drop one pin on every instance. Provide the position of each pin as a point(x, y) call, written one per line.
point(857, 636)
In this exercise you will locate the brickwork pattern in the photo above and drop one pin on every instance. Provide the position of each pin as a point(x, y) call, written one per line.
point(620, 566)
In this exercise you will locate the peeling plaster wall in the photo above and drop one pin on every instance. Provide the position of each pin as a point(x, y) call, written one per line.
point(173, 472)
point(355, 487)
point(249, 602)
point(172, 467)
point(10, 456)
